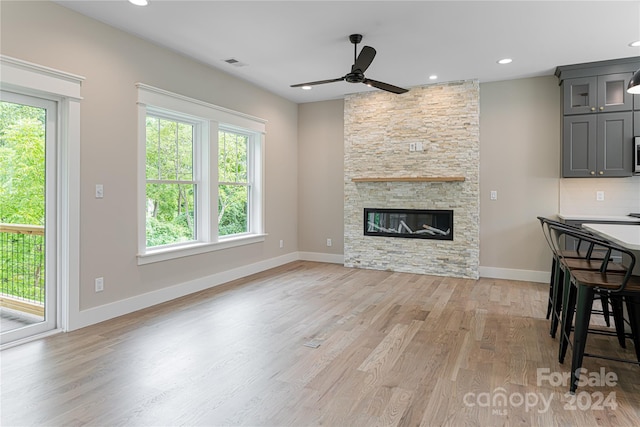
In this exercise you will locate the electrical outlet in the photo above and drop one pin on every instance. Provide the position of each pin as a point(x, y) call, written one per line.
point(600, 196)
point(412, 146)
point(281, 243)
point(419, 146)
point(329, 242)
point(99, 191)
point(493, 195)
point(99, 284)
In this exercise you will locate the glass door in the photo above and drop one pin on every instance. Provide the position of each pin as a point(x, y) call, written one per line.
point(28, 290)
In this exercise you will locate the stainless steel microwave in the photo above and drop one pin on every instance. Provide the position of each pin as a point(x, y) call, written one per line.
point(636, 155)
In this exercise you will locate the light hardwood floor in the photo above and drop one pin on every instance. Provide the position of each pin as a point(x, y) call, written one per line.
point(394, 349)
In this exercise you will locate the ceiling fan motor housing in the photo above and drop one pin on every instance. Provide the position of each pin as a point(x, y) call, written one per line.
point(355, 77)
point(355, 38)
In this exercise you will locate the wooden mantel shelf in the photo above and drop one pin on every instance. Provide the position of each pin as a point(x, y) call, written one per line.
point(411, 179)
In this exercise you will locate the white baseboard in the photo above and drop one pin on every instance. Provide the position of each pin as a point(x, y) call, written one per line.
point(139, 302)
point(320, 257)
point(512, 274)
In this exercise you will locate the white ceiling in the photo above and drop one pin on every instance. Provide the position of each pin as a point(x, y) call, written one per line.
point(282, 43)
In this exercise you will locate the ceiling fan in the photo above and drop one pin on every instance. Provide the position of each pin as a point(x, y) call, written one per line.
point(360, 64)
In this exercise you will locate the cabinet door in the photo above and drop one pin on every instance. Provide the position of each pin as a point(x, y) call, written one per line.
point(579, 146)
point(580, 95)
point(614, 144)
point(612, 93)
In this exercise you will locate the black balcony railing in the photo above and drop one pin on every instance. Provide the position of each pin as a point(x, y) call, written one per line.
point(22, 278)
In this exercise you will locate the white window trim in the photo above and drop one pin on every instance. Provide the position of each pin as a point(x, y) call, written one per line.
point(158, 99)
point(36, 80)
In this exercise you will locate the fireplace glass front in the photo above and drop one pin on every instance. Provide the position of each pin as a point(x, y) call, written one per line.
point(409, 223)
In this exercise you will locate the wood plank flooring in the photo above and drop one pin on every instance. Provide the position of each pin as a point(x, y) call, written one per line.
point(395, 349)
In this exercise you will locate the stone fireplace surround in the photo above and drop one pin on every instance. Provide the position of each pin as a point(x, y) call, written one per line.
point(379, 127)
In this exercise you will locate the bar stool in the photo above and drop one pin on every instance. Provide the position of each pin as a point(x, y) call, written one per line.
point(579, 253)
point(579, 259)
point(579, 294)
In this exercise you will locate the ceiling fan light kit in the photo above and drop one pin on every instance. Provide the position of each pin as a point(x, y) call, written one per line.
point(360, 64)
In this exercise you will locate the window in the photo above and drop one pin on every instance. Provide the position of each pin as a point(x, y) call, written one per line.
point(171, 188)
point(200, 176)
point(234, 186)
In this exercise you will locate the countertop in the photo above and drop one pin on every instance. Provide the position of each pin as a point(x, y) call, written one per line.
point(625, 235)
point(579, 217)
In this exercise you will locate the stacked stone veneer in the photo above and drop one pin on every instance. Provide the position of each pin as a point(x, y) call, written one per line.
point(378, 129)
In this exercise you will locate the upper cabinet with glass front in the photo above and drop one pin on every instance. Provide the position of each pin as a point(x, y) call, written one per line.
point(597, 87)
point(597, 94)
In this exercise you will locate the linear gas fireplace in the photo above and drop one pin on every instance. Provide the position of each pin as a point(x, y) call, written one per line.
point(409, 223)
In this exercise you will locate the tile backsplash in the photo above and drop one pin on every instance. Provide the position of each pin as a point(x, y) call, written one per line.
point(621, 196)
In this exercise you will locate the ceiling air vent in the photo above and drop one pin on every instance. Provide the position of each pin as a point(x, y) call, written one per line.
point(234, 62)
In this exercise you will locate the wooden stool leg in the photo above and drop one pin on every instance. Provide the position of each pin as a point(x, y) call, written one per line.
point(584, 304)
point(568, 307)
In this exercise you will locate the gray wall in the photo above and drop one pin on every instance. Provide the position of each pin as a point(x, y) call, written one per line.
point(320, 165)
point(520, 159)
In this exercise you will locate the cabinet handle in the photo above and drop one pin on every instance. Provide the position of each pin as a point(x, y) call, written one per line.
point(593, 108)
point(593, 173)
point(601, 173)
point(601, 108)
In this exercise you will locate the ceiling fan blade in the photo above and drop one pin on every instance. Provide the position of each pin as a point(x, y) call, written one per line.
point(385, 86)
point(319, 82)
point(364, 59)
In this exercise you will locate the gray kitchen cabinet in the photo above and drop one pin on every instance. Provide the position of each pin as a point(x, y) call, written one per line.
point(598, 118)
point(636, 123)
point(597, 94)
point(597, 145)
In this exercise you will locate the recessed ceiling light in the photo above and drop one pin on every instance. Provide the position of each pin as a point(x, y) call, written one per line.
point(635, 43)
point(306, 87)
point(505, 61)
point(139, 2)
point(433, 77)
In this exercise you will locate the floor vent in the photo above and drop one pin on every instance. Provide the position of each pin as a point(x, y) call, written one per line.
point(313, 344)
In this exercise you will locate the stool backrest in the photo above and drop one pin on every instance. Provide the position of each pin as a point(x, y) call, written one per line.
point(560, 229)
point(555, 244)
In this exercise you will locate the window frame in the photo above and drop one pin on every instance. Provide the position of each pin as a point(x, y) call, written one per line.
point(209, 119)
point(250, 176)
point(199, 150)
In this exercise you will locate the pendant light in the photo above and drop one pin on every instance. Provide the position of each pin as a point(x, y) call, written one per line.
point(634, 84)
